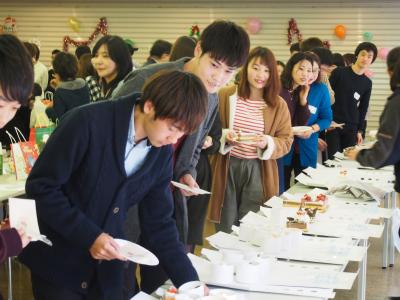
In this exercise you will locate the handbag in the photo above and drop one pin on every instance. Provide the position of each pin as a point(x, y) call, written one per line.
point(40, 135)
point(24, 154)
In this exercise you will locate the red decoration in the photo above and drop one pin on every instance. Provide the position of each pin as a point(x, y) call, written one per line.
point(102, 27)
point(293, 30)
point(10, 25)
point(195, 31)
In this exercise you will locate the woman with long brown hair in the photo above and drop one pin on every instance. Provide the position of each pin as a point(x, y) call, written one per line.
point(256, 130)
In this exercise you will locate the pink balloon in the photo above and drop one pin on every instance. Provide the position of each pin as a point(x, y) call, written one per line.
point(383, 53)
point(369, 73)
point(253, 25)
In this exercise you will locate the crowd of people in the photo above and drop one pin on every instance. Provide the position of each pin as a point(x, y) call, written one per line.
point(209, 113)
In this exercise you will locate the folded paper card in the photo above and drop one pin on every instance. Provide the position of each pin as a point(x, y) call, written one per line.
point(23, 211)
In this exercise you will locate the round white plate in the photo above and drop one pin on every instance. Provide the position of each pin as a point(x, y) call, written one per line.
point(136, 253)
point(300, 129)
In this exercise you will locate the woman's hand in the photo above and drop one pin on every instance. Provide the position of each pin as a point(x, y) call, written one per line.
point(25, 239)
point(305, 89)
point(207, 142)
point(261, 142)
point(231, 137)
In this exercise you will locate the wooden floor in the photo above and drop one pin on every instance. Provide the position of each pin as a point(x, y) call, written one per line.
point(380, 283)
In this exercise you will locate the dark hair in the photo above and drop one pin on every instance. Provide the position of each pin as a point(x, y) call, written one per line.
point(31, 49)
point(393, 66)
point(367, 46)
point(176, 95)
point(295, 47)
point(37, 51)
point(338, 59)
point(65, 65)
point(280, 63)
point(37, 90)
point(273, 86)
point(395, 77)
point(286, 77)
point(55, 51)
point(119, 54)
point(80, 50)
point(226, 42)
point(392, 58)
point(325, 55)
point(160, 47)
point(349, 59)
point(311, 43)
point(316, 59)
point(183, 47)
point(85, 67)
point(16, 70)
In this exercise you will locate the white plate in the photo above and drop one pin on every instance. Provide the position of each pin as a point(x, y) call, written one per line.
point(187, 188)
point(300, 129)
point(136, 253)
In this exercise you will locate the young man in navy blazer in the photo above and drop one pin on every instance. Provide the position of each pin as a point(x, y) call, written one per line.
point(102, 159)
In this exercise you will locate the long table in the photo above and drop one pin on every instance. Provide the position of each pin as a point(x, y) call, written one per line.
point(388, 250)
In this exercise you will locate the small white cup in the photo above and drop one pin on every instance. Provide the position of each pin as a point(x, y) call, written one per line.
point(232, 257)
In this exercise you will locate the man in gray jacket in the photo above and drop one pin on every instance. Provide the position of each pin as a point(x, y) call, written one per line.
point(222, 48)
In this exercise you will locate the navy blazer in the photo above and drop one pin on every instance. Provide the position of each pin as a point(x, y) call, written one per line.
point(81, 190)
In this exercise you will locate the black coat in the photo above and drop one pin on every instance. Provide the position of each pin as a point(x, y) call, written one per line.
point(81, 190)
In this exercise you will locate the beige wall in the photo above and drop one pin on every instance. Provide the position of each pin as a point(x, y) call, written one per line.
point(144, 22)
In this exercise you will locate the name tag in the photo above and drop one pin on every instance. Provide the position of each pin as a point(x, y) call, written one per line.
point(312, 109)
point(357, 96)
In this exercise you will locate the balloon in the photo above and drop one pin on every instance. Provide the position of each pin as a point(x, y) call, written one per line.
point(367, 36)
point(74, 24)
point(382, 53)
point(340, 31)
point(253, 25)
point(369, 73)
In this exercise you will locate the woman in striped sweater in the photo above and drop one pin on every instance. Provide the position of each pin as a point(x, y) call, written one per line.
point(256, 130)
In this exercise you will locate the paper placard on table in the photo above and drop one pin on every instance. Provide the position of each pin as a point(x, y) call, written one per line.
point(24, 211)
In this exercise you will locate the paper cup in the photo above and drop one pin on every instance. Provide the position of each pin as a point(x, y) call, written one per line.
point(248, 272)
point(222, 273)
point(232, 257)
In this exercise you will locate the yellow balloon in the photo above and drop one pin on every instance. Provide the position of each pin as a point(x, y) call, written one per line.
point(74, 24)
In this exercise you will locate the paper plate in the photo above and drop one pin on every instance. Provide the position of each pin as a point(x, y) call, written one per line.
point(300, 129)
point(136, 253)
point(187, 188)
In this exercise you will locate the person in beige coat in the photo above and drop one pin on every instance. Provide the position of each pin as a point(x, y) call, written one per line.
point(256, 131)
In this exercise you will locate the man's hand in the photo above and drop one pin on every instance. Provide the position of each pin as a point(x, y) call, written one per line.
point(189, 181)
point(207, 142)
point(359, 138)
point(105, 247)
